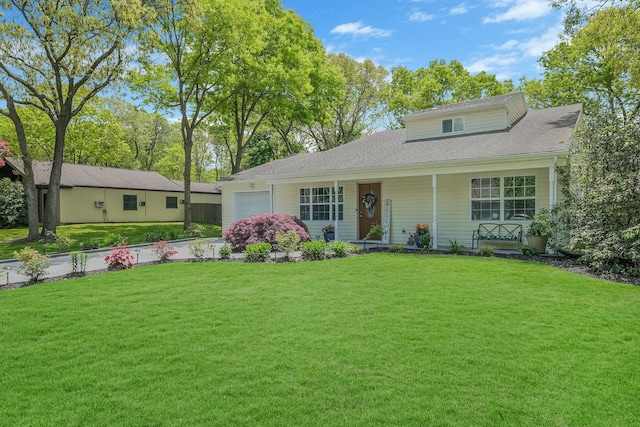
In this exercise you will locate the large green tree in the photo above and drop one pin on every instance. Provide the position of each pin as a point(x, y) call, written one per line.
point(360, 108)
point(56, 56)
point(199, 43)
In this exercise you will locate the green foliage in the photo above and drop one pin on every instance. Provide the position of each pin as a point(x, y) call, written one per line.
point(198, 247)
point(528, 250)
point(314, 250)
point(487, 251)
point(257, 252)
point(115, 239)
point(61, 242)
point(155, 236)
point(339, 248)
point(195, 230)
point(602, 205)
point(397, 247)
point(376, 232)
point(33, 264)
point(78, 262)
point(13, 207)
point(288, 242)
point(89, 244)
point(456, 248)
point(224, 252)
point(541, 224)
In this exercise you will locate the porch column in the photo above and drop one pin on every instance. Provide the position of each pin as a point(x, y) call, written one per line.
point(335, 208)
point(553, 184)
point(434, 225)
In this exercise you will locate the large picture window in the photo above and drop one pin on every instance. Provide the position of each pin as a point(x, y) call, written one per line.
point(503, 198)
point(130, 202)
point(319, 204)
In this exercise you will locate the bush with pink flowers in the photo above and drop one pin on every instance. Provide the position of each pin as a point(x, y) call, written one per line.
point(119, 259)
point(163, 250)
point(263, 228)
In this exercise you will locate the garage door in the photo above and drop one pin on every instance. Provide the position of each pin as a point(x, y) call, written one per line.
point(251, 203)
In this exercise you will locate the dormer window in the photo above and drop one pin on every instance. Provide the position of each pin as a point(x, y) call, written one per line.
point(454, 125)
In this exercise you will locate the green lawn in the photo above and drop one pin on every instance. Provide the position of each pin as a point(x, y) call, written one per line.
point(377, 339)
point(133, 231)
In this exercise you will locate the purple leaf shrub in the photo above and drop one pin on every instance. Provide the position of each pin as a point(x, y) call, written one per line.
point(263, 228)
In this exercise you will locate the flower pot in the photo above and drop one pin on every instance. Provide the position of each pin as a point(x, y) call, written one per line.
point(329, 237)
point(538, 243)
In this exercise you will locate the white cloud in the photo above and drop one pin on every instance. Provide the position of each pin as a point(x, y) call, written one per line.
point(491, 63)
point(536, 46)
point(420, 17)
point(359, 30)
point(458, 10)
point(511, 44)
point(520, 10)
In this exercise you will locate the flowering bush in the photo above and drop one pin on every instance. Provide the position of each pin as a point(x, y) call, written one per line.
point(119, 259)
point(198, 247)
point(33, 263)
point(330, 228)
point(4, 151)
point(163, 250)
point(423, 236)
point(263, 228)
point(422, 229)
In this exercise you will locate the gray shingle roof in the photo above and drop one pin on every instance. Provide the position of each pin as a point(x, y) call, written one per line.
point(201, 187)
point(539, 132)
point(102, 177)
point(473, 103)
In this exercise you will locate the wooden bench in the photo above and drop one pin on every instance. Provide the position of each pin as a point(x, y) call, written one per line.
point(499, 233)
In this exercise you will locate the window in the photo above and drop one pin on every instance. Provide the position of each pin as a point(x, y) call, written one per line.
point(453, 125)
point(511, 197)
point(130, 203)
point(318, 204)
point(172, 202)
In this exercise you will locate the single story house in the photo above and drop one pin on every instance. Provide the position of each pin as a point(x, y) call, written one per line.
point(90, 194)
point(453, 167)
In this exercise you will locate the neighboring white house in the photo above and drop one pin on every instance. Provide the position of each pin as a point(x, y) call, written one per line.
point(454, 167)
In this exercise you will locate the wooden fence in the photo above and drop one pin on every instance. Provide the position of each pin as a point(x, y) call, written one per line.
point(206, 213)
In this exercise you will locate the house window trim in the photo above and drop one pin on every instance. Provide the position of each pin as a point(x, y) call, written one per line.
point(453, 125)
point(133, 206)
point(502, 197)
point(331, 203)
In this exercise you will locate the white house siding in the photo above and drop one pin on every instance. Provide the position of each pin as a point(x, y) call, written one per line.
point(454, 203)
point(228, 197)
point(474, 122)
point(516, 108)
point(411, 203)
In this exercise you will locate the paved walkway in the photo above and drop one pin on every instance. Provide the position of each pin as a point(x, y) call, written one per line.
point(61, 263)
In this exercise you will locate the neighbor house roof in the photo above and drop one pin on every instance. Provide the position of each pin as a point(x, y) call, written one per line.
point(201, 187)
point(539, 132)
point(74, 175)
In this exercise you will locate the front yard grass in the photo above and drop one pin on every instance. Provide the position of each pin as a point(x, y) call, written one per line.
point(377, 339)
point(133, 231)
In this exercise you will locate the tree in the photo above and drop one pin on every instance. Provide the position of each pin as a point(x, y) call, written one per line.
point(597, 64)
point(55, 57)
point(360, 108)
point(201, 41)
point(440, 83)
point(603, 198)
point(280, 79)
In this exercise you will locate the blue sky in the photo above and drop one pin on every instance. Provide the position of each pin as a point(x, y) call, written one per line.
point(501, 37)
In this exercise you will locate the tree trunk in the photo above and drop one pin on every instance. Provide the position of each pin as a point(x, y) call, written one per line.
point(52, 207)
point(28, 181)
point(187, 133)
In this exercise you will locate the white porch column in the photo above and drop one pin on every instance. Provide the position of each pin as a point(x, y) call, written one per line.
point(553, 183)
point(335, 208)
point(434, 225)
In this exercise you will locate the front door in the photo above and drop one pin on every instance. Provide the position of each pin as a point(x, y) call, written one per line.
point(369, 208)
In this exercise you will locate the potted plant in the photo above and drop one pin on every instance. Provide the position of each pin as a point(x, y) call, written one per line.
point(539, 231)
point(329, 232)
point(423, 236)
point(376, 232)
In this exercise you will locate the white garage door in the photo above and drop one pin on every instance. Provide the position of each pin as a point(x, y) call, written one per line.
point(251, 203)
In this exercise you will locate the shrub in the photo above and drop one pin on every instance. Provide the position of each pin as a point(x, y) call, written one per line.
point(173, 234)
point(225, 252)
point(198, 248)
point(119, 259)
point(313, 251)
point(32, 263)
point(287, 243)
point(163, 250)
point(90, 244)
point(13, 206)
point(62, 242)
point(527, 250)
point(115, 240)
point(486, 251)
point(397, 247)
point(257, 252)
point(78, 262)
point(263, 228)
point(155, 236)
point(195, 230)
point(339, 248)
point(456, 248)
